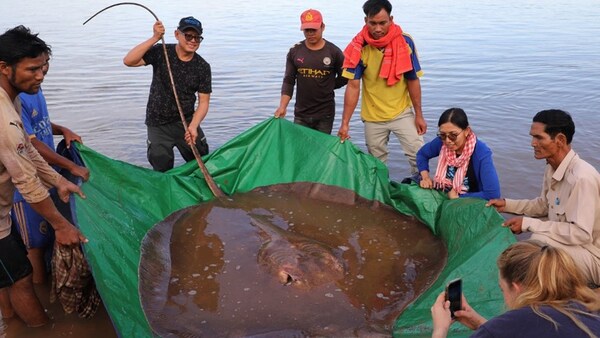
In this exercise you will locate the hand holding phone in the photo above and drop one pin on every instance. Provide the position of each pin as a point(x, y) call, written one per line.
point(454, 295)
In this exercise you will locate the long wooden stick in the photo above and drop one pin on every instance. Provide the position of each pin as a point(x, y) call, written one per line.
point(209, 180)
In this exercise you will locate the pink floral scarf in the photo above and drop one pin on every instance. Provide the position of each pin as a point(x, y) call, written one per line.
point(448, 158)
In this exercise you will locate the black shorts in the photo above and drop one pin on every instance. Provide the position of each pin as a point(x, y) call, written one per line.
point(14, 264)
point(323, 124)
point(162, 139)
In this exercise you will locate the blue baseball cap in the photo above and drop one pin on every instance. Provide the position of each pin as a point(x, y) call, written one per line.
point(190, 22)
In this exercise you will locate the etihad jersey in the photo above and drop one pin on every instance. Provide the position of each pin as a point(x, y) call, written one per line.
point(317, 73)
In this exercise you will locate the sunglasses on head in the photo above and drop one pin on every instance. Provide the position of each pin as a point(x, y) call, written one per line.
point(451, 136)
point(190, 37)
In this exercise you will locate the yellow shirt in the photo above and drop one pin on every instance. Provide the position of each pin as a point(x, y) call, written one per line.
point(381, 102)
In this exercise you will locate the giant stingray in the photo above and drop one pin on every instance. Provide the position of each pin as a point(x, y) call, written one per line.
point(295, 259)
point(299, 259)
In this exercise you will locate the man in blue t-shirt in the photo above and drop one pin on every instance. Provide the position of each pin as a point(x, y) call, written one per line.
point(37, 234)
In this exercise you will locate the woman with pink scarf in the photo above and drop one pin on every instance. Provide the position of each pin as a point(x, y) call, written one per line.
point(465, 166)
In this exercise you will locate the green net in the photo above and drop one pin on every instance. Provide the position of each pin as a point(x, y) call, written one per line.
point(124, 201)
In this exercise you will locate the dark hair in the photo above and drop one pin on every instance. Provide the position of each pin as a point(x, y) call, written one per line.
point(556, 121)
point(456, 116)
point(19, 43)
point(372, 7)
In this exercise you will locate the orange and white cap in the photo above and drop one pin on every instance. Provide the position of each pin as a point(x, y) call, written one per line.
point(311, 19)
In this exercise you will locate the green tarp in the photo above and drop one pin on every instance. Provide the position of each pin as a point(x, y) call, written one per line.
point(124, 201)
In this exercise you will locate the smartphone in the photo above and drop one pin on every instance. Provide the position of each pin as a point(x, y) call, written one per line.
point(454, 295)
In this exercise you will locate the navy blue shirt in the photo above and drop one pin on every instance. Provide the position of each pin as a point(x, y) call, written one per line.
point(524, 322)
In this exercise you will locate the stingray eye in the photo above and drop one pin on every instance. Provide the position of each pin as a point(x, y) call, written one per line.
point(289, 280)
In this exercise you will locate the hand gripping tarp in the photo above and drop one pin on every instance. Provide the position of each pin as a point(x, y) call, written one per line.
point(124, 201)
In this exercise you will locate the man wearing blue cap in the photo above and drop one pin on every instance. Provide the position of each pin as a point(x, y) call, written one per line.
point(191, 74)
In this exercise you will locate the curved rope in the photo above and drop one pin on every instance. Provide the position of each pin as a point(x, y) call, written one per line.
point(119, 4)
point(209, 180)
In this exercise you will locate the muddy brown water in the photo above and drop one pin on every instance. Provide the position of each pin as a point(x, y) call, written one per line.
point(200, 276)
point(61, 324)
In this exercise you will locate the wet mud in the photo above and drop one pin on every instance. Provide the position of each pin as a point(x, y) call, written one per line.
point(61, 324)
point(288, 260)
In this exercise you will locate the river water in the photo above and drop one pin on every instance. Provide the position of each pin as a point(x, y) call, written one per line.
point(501, 61)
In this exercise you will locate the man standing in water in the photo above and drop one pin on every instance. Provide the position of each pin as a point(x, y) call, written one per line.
point(192, 75)
point(316, 64)
point(386, 60)
point(570, 197)
point(22, 61)
point(37, 235)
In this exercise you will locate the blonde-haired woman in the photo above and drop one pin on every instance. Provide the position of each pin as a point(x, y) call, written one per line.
point(545, 292)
